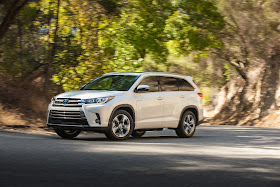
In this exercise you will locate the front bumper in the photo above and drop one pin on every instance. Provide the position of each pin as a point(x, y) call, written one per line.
point(86, 116)
point(79, 127)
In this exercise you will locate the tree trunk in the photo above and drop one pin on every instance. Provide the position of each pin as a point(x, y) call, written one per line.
point(52, 48)
point(242, 102)
point(20, 41)
point(10, 16)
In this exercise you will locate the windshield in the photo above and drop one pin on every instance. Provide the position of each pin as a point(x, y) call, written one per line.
point(112, 83)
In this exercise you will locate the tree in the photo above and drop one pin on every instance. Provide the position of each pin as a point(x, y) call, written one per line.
point(251, 46)
point(15, 7)
point(143, 27)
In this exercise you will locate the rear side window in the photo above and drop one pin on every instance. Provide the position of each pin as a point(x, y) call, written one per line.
point(185, 85)
point(152, 82)
point(168, 84)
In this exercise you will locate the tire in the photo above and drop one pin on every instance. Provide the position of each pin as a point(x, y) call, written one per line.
point(67, 134)
point(120, 126)
point(187, 125)
point(138, 134)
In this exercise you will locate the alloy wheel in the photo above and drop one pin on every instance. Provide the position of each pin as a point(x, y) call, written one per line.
point(189, 124)
point(121, 125)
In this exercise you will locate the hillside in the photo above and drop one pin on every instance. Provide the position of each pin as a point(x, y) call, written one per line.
point(22, 107)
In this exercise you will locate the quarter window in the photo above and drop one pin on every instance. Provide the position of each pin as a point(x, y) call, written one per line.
point(184, 85)
point(168, 84)
point(152, 82)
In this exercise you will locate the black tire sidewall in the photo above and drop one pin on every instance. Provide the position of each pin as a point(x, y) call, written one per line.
point(138, 134)
point(61, 132)
point(181, 130)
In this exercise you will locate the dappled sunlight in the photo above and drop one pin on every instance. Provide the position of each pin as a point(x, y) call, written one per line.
point(228, 165)
point(10, 117)
point(206, 136)
point(251, 157)
point(228, 154)
point(179, 149)
point(237, 151)
point(200, 165)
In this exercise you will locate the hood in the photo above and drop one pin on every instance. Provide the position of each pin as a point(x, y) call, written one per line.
point(88, 94)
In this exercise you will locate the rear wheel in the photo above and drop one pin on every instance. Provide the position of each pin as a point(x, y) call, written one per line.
point(137, 133)
point(187, 125)
point(121, 126)
point(67, 134)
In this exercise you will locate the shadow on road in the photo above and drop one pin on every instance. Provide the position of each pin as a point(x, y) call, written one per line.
point(215, 156)
point(129, 139)
point(228, 136)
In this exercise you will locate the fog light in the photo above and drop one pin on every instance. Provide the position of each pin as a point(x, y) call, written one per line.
point(98, 118)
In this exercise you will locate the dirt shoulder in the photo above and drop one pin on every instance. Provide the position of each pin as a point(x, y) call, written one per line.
point(271, 121)
point(40, 129)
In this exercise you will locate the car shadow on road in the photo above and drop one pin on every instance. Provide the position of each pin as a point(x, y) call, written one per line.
point(129, 139)
point(208, 136)
point(133, 139)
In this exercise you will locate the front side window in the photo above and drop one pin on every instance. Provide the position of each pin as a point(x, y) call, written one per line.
point(112, 83)
point(168, 84)
point(152, 82)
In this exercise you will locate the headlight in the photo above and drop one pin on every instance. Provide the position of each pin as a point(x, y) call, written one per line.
point(100, 100)
point(53, 100)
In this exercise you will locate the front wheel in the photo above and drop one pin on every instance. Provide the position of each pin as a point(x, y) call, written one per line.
point(67, 134)
point(187, 125)
point(120, 126)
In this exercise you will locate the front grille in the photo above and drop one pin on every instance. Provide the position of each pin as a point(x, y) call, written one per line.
point(67, 102)
point(67, 117)
point(67, 114)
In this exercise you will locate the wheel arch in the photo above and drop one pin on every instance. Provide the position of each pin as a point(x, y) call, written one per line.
point(192, 108)
point(125, 107)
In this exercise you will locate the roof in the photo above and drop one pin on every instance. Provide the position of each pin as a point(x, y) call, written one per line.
point(149, 73)
point(125, 73)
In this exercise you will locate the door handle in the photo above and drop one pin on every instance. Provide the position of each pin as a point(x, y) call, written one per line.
point(159, 98)
point(181, 96)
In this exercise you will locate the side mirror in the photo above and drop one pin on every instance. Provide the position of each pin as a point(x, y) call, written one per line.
point(143, 88)
point(83, 86)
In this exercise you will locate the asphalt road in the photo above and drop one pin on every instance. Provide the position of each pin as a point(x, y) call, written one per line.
point(215, 156)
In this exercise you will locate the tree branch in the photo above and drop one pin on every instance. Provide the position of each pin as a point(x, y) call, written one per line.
point(10, 16)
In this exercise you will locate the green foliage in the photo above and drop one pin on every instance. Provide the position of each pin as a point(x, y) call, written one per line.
point(207, 92)
point(227, 72)
point(205, 74)
point(111, 35)
point(20, 50)
point(193, 27)
point(143, 27)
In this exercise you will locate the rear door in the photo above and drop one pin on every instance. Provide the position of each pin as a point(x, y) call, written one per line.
point(186, 90)
point(171, 100)
point(149, 109)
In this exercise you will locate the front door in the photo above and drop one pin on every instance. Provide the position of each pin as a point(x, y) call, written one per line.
point(149, 111)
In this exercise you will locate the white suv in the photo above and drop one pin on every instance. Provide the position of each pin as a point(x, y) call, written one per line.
point(124, 104)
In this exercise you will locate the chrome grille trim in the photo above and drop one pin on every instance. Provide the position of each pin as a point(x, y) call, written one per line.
point(72, 102)
point(59, 114)
point(69, 118)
